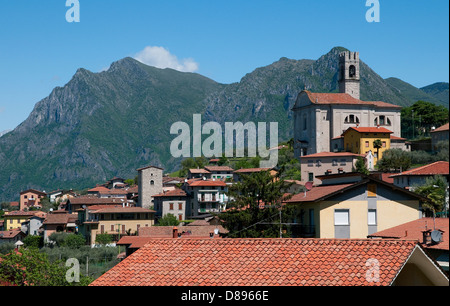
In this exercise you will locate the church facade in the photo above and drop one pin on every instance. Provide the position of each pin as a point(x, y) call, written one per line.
point(320, 119)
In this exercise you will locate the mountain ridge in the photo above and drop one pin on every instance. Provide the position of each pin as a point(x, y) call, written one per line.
point(109, 123)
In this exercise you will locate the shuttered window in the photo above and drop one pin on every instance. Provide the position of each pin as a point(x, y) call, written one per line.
point(341, 217)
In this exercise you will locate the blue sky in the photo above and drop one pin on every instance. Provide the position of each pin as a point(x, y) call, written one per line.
point(222, 40)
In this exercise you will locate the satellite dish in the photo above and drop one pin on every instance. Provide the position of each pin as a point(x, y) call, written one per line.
point(308, 186)
point(436, 236)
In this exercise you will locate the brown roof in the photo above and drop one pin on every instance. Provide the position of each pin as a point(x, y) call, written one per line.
point(10, 234)
point(260, 262)
point(95, 200)
point(252, 170)
point(199, 171)
point(332, 154)
point(59, 218)
point(436, 168)
point(343, 98)
point(119, 209)
point(34, 191)
point(206, 183)
point(172, 193)
point(370, 130)
point(413, 231)
point(218, 168)
point(445, 127)
point(318, 193)
point(201, 231)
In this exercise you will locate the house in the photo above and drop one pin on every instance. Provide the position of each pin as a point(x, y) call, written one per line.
point(361, 140)
point(325, 163)
point(420, 230)
point(438, 135)
point(400, 143)
point(33, 225)
point(198, 173)
point(276, 262)
point(320, 117)
point(175, 202)
point(58, 222)
point(115, 220)
point(11, 236)
point(31, 198)
point(352, 205)
point(220, 172)
point(206, 196)
point(14, 219)
point(150, 183)
point(418, 176)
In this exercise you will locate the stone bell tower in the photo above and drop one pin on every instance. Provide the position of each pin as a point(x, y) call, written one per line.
point(349, 80)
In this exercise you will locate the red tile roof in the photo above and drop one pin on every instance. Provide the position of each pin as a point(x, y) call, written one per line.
point(437, 168)
point(445, 127)
point(172, 193)
point(251, 170)
point(259, 262)
point(343, 98)
point(318, 192)
point(413, 231)
point(218, 168)
point(370, 130)
point(207, 183)
point(199, 171)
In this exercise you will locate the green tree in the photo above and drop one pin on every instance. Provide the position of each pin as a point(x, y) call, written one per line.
point(257, 202)
point(419, 118)
point(361, 167)
point(377, 144)
point(33, 241)
point(29, 267)
point(394, 160)
point(435, 190)
point(74, 241)
point(103, 239)
point(168, 220)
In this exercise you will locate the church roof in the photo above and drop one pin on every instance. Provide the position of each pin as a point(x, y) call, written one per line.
point(343, 98)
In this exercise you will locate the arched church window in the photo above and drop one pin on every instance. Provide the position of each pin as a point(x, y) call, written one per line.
point(351, 119)
point(375, 122)
point(152, 182)
point(352, 71)
point(388, 121)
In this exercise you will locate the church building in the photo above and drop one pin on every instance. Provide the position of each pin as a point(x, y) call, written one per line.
point(320, 119)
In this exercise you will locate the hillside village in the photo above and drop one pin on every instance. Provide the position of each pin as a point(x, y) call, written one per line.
point(348, 212)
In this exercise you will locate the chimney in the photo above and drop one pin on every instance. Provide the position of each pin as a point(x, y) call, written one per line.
point(175, 232)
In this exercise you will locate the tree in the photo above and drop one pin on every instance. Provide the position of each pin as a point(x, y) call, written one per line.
point(377, 144)
point(435, 190)
point(394, 160)
point(103, 239)
point(255, 210)
point(29, 267)
point(361, 167)
point(168, 220)
point(33, 241)
point(419, 118)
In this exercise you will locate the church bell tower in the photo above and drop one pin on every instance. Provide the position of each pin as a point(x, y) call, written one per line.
point(349, 81)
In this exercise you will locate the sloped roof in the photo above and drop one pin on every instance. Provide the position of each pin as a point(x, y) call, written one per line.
point(172, 193)
point(437, 168)
point(332, 154)
point(443, 128)
point(206, 183)
point(413, 231)
point(218, 168)
point(343, 98)
point(259, 262)
point(370, 130)
point(252, 170)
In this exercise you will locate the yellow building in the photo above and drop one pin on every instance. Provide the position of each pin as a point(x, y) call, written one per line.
point(353, 206)
point(360, 140)
point(14, 219)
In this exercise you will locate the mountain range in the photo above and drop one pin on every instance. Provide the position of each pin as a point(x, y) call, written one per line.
point(106, 124)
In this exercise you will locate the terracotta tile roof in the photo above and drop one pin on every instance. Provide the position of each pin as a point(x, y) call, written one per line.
point(318, 193)
point(199, 171)
point(370, 130)
point(397, 138)
point(413, 231)
point(34, 191)
point(58, 219)
point(172, 193)
point(445, 127)
point(332, 154)
point(9, 234)
point(439, 167)
point(20, 213)
point(201, 231)
point(259, 262)
point(218, 168)
point(343, 98)
point(206, 183)
point(120, 209)
point(98, 189)
point(96, 200)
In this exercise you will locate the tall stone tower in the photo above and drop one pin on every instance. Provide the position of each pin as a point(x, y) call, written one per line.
point(149, 184)
point(349, 81)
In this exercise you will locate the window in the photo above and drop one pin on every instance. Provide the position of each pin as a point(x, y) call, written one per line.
point(382, 120)
point(335, 162)
point(352, 71)
point(310, 163)
point(371, 190)
point(170, 206)
point(310, 177)
point(384, 144)
point(372, 217)
point(388, 121)
point(180, 206)
point(341, 217)
point(343, 162)
point(152, 182)
point(319, 163)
